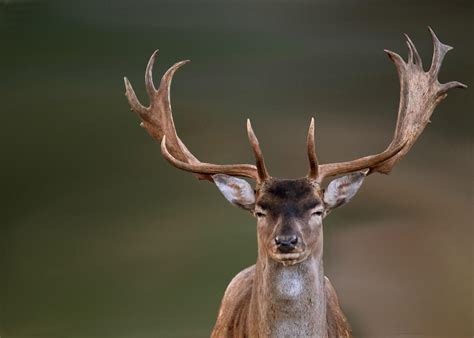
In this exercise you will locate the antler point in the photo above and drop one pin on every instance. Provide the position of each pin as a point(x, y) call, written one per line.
point(460, 85)
point(452, 84)
point(182, 63)
point(396, 58)
point(126, 82)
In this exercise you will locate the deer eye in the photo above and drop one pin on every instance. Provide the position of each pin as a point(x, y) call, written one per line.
point(317, 213)
point(260, 214)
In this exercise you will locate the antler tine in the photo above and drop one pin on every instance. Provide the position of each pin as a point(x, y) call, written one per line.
point(420, 93)
point(439, 52)
point(261, 168)
point(135, 105)
point(313, 159)
point(410, 49)
point(413, 56)
point(150, 86)
point(157, 119)
point(452, 84)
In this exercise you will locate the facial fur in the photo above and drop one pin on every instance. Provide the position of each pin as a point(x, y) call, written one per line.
point(285, 209)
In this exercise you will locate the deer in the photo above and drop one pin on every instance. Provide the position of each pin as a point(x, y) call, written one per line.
point(285, 293)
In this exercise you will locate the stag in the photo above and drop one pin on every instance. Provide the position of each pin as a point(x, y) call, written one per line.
point(285, 294)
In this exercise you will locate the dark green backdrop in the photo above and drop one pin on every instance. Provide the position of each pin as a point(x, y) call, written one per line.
point(101, 238)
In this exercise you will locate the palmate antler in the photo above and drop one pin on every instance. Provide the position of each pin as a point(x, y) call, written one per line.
point(420, 93)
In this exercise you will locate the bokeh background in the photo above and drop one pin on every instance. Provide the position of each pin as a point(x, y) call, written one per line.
point(100, 237)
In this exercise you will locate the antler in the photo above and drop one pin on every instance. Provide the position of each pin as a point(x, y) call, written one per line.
point(420, 93)
point(157, 119)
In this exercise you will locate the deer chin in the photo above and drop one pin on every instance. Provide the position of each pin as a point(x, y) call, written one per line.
point(290, 258)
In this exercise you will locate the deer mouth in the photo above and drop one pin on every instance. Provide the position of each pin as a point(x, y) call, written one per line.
point(290, 258)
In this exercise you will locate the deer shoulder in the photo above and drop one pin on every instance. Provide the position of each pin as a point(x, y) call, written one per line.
point(232, 318)
point(337, 322)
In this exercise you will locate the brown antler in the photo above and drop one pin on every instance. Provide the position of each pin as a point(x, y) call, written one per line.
point(420, 93)
point(261, 168)
point(157, 119)
point(313, 159)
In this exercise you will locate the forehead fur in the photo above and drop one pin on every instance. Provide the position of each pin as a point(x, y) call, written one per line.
point(279, 195)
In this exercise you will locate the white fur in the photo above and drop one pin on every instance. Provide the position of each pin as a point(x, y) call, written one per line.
point(342, 189)
point(289, 283)
point(236, 190)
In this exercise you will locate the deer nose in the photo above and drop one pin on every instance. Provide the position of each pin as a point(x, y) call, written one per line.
point(286, 244)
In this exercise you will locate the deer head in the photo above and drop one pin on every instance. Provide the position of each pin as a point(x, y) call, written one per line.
point(290, 212)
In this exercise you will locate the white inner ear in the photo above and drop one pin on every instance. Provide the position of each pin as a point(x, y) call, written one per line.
point(236, 190)
point(342, 189)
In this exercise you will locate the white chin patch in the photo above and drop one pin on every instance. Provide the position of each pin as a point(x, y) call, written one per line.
point(290, 283)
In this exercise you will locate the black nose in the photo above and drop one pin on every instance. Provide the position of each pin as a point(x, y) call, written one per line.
point(286, 244)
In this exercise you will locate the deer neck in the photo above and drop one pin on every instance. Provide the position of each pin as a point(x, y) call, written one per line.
point(289, 301)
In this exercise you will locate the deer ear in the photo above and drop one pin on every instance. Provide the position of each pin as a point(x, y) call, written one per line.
point(342, 189)
point(236, 190)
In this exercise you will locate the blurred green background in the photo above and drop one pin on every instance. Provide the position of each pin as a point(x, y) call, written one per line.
point(100, 237)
